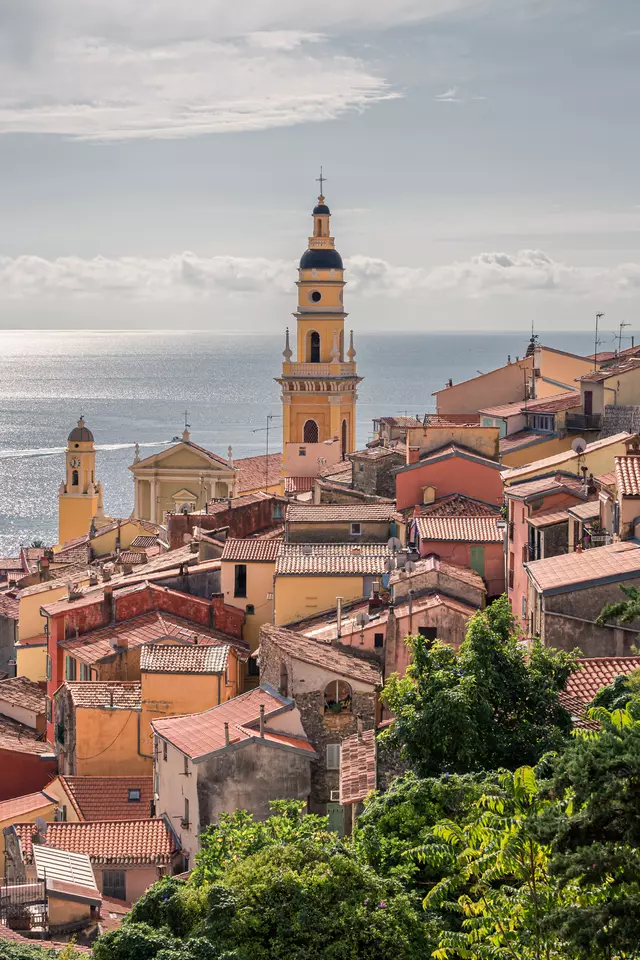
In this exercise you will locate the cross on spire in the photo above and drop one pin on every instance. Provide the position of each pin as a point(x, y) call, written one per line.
point(321, 180)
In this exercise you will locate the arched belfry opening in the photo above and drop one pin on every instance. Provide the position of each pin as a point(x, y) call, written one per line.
point(310, 432)
point(74, 478)
point(344, 440)
point(313, 347)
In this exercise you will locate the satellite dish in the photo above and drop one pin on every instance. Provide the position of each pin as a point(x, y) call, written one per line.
point(394, 544)
point(362, 619)
point(42, 826)
point(579, 445)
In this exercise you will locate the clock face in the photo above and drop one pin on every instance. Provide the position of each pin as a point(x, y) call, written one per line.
point(74, 462)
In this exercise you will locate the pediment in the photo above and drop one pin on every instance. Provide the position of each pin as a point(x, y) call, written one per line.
point(184, 494)
point(185, 456)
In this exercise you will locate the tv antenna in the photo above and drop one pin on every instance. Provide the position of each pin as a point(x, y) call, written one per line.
point(597, 342)
point(620, 335)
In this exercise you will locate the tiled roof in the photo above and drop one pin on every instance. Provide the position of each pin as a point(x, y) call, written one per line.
point(546, 518)
point(607, 479)
point(426, 564)
point(180, 658)
point(144, 541)
point(618, 561)
point(251, 472)
point(555, 483)
point(93, 797)
point(358, 767)
point(503, 410)
point(567, 457)
point(451, 420)
point(7, 934)
point(22, 692)
point(394, 449)
point(362, 559)
point(251, 551)
point(201, 734)
point(628, 476)
point(150, 460)
point(107, 841)
point(400, 421)
point(10, 563)
point(298, 484)
point(523, 438)
point(322, 655)
point(594, 673)
point(598, 376)
point(148, 628)
point(341, 513)
point(566, 400)
point(454, 450)
point(457, 505)
point(237, 503)
point(131, 556)
point(467, 529)
point(20, 738)
point(9, 605)
point(585, 511)
point(109, 694)
point(340, 471)
point(29, 803)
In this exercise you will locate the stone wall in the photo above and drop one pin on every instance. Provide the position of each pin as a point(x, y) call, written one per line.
point(8, 637)
point(556, 539)
point(619, 419)
point(569, 621)
point(377, 476)
point(241, 519)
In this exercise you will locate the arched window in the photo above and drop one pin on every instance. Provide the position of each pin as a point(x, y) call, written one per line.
point(310, 432)
point(284, 680)
point(337, 696)
point(250, 610)
point(344, 439)
point(74, 478)
point(313, 347)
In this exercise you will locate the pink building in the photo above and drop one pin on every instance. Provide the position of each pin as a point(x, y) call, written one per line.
point(451, 469)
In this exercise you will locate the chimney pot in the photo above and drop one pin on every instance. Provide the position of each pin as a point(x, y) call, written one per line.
point(226, 734)
point(262, 720)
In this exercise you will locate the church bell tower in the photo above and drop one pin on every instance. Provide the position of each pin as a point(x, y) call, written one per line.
point(319, 387)
point(80, 495)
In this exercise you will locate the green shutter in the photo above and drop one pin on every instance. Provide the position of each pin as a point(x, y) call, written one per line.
point(476, 561)
point(335, 813)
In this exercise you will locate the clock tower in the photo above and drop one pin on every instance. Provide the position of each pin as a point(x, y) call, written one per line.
point(80, 495)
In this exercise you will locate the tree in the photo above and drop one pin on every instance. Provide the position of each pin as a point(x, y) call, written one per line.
point(620, 692)
point(490, 705)
point(624, 611)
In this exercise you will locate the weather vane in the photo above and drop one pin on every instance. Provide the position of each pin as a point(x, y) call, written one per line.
point(321, 180)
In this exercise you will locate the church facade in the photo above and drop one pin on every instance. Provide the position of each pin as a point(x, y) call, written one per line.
point(319, 386)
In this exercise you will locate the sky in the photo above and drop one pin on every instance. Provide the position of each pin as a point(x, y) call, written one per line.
point(158, 161)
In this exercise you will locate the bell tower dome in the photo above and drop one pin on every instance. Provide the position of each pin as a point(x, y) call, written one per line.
point(80, 494)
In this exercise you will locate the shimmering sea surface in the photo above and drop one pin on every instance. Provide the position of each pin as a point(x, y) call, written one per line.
point(135, 386)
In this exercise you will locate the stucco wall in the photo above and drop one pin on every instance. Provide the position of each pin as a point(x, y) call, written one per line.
point(453, 475)
point(98, 742)
point(29, 773)
point(166, 695)
point(32, 662)
point(585, 606)
point(173, 787)
point(460, 553)
point(137, 879)
point(503, 385)
point(259, 586)
point(63, 912)
point(434, 581)
point(8, 637)
point(297, 597)
point(424, 440)
point(371, 532)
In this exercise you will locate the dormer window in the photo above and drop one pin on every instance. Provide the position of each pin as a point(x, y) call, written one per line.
point(134, 795)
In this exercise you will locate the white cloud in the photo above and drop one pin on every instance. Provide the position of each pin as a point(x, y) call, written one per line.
point(186, 277)
point(449, 96)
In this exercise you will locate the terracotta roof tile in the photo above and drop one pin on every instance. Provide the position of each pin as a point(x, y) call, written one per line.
point(340, 472)
point(523, 438)
point(251, 472)
point(342, 513)
point(29, 803)
point(321, 654)
point(107, 841)
point(10, 563)
point(144, 541)
point(546, 518)
point(618, 561)
point(448, 451)
point(566, 458)
point(598, 376)
point(362, 559)
point(596, 672)
point(432, 562)
point(503, 410)
point(607, 479)
point(555, 483)
point(131, 556)
point(93, 797)
point(467, 529)
point(566, 400)
point(108, 694)
point(251, 551)
point(298, 484)
point(20, 738)
point(400, 421)
point(585, 511)
point(627, 470)
point(179, 658)
point(450, 420)
point(9, 605)
point(358, 773)
point(201, 734)
point(22, 692)
point(457, 505)
point(394, 449)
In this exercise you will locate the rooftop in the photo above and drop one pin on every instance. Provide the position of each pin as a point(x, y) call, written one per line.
point(105, 694)
point(447, 452)
point(627, 470)
point(523, 438)
point(321, 654)
point(9, 605)
point(503, 410)
point(200, 734)
point(19, 738)
point(298, 484)
point(92, 797)
point(342, 513)
point(10, 563)
point(251, 472)
point(566, 400)
point(22, 692)
point(467, 529)
point(336, 559)
point(400, 421)
point(144, 541)
point(594, 673)
point(457, 505)
point(253, 550)
point(540, 486)
point(451, 420)
point(567, 457)
point(615, 370)
point(29, 803)
point(577, 571)
point(585, 511)
point(358, 773)
point(434, 563)
point(63, 866)
point(546, 518)
point(107, 841)
point(178, 658)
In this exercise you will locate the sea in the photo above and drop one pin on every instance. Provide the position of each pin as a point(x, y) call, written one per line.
point(140, 386)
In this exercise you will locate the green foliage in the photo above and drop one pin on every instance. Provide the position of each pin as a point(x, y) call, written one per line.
point(487, 706)
point(24, 951)
point(624, 611)
point(619, 692)
point(394, 822)
point(170, 903)
point(238, 835)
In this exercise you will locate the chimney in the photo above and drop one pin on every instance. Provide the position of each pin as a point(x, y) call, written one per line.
point(359, 726)
point(226, 735)
point(339, 617)
point(111, 699)
point(109, 606)
point(262, 720)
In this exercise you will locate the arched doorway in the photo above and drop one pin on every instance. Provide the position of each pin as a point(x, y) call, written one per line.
point(313, 347)
point(310, 432)
point(344, 439)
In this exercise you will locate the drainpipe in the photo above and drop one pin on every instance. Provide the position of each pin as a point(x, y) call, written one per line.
point(339, 616)
point(262, 720)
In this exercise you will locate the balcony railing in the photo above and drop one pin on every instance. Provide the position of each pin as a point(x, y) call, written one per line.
point(584, 421)
point(318, 369)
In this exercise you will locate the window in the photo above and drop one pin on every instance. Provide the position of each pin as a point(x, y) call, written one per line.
point(476, 558)
point(361, 467)
point(240, 586)
point(429, 633)
point(337, 696)
point(333, 756)
point(543, 422)
point(310, 432)
point(302, 452)
point(70, 671)
point(134, 795)
point(254, 667)
point(74, 478)
point(316, 296)
point(250, 610)
point(355, 529)
point(378, 639)
point(49, 670)
point(85, 672)
point(114, 884)
point(277, 511)
point(164, 750)
point(313, 355)
point(344, 439)
point(49, 710)
point(284, 680)
point(185, 819)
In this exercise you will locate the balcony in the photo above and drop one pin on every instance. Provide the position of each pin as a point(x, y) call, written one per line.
point(318, 370)
point(583, 421)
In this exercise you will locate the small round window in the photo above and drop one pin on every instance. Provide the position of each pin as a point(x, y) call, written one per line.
point(316, 296)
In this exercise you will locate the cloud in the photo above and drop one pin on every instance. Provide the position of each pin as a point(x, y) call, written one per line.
point(187, 277)
point(449, 96)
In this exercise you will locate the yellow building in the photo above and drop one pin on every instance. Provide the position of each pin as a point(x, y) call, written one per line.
point(319, 388)
point(247, 569)
point(80, 494)
point(597, 458)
